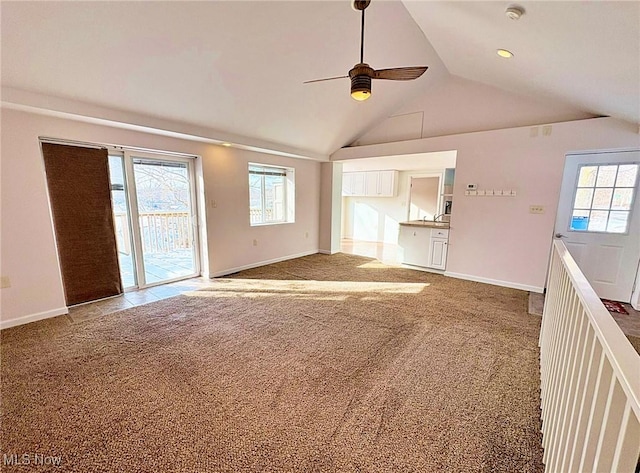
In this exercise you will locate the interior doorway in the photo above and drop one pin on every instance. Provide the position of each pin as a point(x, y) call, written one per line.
point(155, 218)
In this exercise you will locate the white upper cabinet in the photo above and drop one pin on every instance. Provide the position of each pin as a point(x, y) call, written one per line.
point(370, 184)
point(387, 183)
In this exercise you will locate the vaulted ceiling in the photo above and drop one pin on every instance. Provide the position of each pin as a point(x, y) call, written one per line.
point(236, 69)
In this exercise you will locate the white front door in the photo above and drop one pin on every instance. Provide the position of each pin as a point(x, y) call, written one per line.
point(598, 221)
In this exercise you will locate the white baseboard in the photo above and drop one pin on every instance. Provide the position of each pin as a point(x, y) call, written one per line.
point(496, 282)
point(224, 272)
point(25, 319)
point(328, 252)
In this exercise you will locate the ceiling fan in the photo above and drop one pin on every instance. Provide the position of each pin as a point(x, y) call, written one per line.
point(362, 73)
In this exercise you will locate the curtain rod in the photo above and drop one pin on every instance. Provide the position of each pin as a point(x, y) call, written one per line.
point(112, 147)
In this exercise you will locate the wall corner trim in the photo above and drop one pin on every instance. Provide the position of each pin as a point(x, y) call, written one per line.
point(25, 319)
point(495, 282)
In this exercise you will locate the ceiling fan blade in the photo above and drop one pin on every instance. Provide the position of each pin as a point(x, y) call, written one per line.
point(400, 73)
point(322, 80)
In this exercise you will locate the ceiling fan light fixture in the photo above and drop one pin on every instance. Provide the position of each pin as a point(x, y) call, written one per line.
point(360, 87)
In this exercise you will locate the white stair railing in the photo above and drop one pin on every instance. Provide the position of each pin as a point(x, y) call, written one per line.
point(590, 378)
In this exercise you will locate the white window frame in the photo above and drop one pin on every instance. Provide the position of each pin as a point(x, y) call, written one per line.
point(288, 193)
point(576, 187)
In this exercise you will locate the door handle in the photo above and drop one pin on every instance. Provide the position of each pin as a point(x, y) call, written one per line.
point(559, 235)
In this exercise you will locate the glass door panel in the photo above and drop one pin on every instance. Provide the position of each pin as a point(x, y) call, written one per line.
point(164, 198)
point(121, 219)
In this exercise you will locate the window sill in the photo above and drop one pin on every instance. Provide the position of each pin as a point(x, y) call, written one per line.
point(268, 224)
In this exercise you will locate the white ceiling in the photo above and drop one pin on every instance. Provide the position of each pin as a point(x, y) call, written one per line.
point(582, 53)
point(238, 67)
point(230, 66)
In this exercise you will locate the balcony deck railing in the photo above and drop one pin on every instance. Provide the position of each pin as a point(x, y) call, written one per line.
point(161, 232)
point(590, 378)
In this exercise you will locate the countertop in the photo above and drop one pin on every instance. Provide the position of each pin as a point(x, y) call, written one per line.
point(428, 224)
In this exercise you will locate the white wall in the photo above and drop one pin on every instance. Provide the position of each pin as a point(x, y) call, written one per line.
point(27, 244)
point(330, 207)
point(497, 239)
point(465, 106)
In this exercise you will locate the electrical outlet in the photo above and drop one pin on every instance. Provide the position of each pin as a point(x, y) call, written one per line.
point(536, 209)
point(255, 242)
point(5, 282)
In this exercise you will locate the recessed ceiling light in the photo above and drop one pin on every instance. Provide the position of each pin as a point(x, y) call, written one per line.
point(504, 53)
point(514, 12)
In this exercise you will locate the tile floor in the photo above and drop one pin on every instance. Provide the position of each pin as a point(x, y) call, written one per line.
point(386, 252)
point(81, 313)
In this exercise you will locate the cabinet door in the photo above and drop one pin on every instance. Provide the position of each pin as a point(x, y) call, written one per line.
point(387, 183)
point(415, 244)
point(358, 185)
point(371, 183)
point(438, 253)
point(347, 184)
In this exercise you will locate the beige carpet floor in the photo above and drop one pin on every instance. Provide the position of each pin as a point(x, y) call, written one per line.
point(320, 364)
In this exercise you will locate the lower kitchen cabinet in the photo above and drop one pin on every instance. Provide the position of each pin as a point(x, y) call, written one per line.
point(424, 246)
point(438, 253)
point(415, 242)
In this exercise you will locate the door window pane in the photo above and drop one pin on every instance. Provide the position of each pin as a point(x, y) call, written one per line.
point(598, 221)
point(627, 175)
point(583, 199)
point(121, 220)
point(163, 191)
point(606, 176)
point(618, 222)
point(622, 199)
point(587, 176)
point(603, 198)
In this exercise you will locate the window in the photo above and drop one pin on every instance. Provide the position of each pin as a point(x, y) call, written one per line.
point(604, 197)
point(271, 194)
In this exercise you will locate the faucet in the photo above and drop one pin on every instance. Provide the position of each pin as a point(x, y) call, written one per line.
point(435, 219)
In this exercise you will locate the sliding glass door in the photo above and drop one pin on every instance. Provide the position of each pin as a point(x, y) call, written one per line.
point(160, 213)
